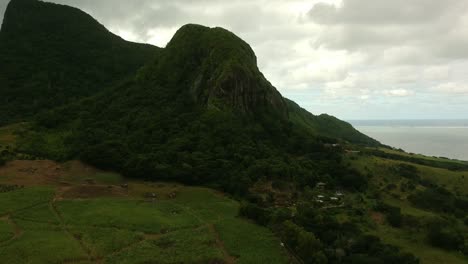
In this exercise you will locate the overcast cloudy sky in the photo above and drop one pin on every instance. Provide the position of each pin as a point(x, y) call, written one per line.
point(355, 59)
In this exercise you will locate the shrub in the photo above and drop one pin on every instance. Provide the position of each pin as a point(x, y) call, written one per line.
point(394, 217)
point(304, 243)
point(443, 235)
point(259, 215)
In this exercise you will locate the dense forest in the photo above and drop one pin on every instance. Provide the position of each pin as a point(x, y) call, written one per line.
point(50, 58)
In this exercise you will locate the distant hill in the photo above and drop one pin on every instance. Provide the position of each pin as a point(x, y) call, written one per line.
point(53, 54)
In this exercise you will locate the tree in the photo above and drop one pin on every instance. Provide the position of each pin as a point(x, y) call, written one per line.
point(394, 217)
point(444, 236)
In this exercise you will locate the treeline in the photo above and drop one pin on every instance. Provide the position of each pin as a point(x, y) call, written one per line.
point(449, 165)
point(317, 237)
point(440, 200)
point(442, 232)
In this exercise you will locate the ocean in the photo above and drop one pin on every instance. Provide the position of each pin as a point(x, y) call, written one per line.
point(439, 138)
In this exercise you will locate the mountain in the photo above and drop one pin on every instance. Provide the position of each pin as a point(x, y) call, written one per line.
point(200, 109)
point(53, 54)
point(192, 111)
point(218, 69)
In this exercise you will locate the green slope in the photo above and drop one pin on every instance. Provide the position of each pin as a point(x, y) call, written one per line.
point(327, 125)
point(53, 54)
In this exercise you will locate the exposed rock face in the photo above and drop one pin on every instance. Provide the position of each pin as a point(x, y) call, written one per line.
point(246, 92)
point(220, 70)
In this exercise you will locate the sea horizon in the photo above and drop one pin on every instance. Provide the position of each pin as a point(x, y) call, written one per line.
point(446, 138)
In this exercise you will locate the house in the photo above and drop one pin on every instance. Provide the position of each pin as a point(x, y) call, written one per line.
point(334, 198)
point(320, 185)
point(320, 196)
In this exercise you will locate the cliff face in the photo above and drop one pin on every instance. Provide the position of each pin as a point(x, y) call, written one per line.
point(219, 69)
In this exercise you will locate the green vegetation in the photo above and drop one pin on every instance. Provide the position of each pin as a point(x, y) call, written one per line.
point(419, 159)
point(254, 245)
point(327, 125)
point(24, 198)
point(184, 246)
point(56, 55)
point(6, 230)
point(104, 241)
point(42, 246)
point(197, 225)
point(40, 213)
point(127, 214)
point(198, 112)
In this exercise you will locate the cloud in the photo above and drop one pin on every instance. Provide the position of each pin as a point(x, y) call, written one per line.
point(419, 30)
point(381, 12)
point(398, 92)
point(452, 88)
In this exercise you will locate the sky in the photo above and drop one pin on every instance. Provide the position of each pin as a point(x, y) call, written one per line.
point(354, 59)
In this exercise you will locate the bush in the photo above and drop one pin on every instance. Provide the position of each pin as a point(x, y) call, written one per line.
point(394, 217)
point(407, 171)
point(304, 243)
point(259, 215)
point(444, 235)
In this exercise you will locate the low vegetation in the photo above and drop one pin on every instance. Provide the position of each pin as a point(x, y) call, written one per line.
point(148, 221)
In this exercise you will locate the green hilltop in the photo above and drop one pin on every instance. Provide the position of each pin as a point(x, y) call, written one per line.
point(53, 54)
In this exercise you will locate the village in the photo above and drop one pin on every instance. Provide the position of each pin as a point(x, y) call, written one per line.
point(325, 199)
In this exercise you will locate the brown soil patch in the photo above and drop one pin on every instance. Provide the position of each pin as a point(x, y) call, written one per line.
point(47, 172)
point(31, 172)
point(378, 218)
point(91, 191)
point(162, 191)
point(78, 170)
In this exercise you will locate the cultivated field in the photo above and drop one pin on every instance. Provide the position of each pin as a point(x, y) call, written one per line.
point(73, 213)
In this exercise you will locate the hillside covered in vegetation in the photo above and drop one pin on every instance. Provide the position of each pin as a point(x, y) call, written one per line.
point(199, 112)
point(53, 54)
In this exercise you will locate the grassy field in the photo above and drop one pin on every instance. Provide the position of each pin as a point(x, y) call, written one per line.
point(71, 213)
point(414, 242)
point(381, 169)
point(420, 156)
point(382, 175)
